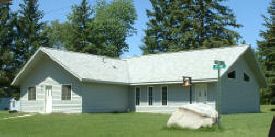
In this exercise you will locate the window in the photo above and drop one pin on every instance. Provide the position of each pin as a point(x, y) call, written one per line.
point(137, 95)
point(164, 95)
point(32, 93)
point(66, 92)
point(231, 74)
point(245, 77)
point(150, 95)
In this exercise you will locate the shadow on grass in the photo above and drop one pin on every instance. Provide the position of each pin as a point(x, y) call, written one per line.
point(272, 109)
point(204, 129)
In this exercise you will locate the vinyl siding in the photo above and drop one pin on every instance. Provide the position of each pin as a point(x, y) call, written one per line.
point(104, 98)
point(48, 72)
point(177, 96)
point(239, 96)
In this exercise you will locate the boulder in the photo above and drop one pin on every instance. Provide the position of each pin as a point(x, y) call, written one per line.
point(193, 116)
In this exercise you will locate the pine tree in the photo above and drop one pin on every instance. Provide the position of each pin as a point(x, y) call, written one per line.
point(7, 56)
point(266, 48)
point(29, 28)
point(179, 25)
point(80, 38)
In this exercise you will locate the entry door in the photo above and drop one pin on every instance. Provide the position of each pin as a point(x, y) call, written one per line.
point(48, 99)
point(201, 93)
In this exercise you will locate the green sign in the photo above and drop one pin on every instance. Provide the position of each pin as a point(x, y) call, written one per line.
point(223, 65)
point(216, 67)
point(219, 62)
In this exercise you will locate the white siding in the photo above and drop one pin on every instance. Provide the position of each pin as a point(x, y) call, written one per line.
point(239, 96)
point(50, 73)
point(104, 98)
point(177, 96)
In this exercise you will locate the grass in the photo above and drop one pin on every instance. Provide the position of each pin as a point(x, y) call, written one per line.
point(6, 114)
point(130, 125)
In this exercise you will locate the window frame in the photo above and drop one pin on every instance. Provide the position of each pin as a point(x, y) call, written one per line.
point(29, 94)
point(248, 75)
point(62, 91)
point(136, 96)
point(235, 75)
point(13, 104)
point(148, 95)
point(166, 95)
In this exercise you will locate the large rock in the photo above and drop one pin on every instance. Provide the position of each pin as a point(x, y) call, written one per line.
point(193, 116)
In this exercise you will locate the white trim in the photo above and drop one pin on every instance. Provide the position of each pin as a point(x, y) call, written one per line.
point(45, 89)
point(259, 68)
point(136, 94)
point(255, 59)
point(62, 65)
point(148, 95)
point(23, 69)
point(89, 80)
point(260, 78)
point(207, 80)
point(71, 92)
point(51, 57)
point(161, 95)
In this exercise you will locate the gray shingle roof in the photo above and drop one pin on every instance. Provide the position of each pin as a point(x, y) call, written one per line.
point(170, 67)
point(147, 69)
point(91, 67)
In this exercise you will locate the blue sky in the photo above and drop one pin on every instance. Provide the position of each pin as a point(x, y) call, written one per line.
point(248, 13)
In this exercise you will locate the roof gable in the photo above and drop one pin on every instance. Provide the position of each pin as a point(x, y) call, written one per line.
point(172, 66)
point(147, 69)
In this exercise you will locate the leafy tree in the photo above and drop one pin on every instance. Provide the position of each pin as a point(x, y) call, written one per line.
point(101, 30)
point(54, 33)
point(266, 48)
point(6, 42)
point(114, 23)
point(179, 25)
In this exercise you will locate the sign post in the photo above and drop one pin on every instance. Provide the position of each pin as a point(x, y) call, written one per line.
point(218, 65)
point(187, 82)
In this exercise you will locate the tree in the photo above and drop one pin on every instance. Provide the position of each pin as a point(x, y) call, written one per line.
point(80, 36)
point(114, 23)
point(266, 48)
point(54, 33)
point(6, 42)
point(29, 28)
point(101, 30)
point(176, 25)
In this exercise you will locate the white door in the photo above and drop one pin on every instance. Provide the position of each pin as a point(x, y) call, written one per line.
point(201, 93)
point(48, 98)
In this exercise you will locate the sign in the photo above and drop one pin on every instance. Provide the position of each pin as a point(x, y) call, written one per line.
point(216, 67)
point(187, 81)
point(218, 62)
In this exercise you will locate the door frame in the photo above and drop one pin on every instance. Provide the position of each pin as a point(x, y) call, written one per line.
point(46, 98)
point(203, 85)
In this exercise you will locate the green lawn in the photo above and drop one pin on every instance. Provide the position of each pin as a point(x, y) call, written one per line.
point(5, 114)
point(129, 125)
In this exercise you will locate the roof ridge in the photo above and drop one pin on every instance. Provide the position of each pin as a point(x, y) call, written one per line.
point(88, 54)
point(192, 50)
point(127, 58)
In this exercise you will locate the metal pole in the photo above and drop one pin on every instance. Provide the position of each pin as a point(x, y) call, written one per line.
point(218, 103)
point(190, 94)
point(190, 78)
